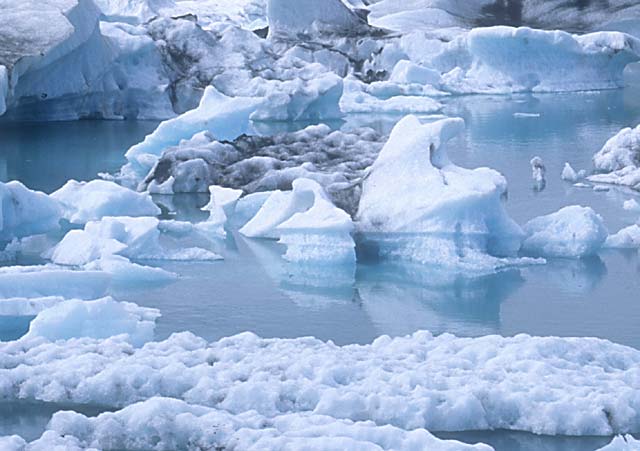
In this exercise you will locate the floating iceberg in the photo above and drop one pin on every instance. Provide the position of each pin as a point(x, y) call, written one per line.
point(225, 117)
point(27, 306)
point(419, 206)
point(631, 205)
point(136, 11)
point(91, 201)
point(439, 383)
point(571, 232)
point(307, 222)
point(102, 318)
point(50, 280)
point(222, 204)
point(626, 238)
point(619, 159)
point(571, 175)
point(164, 423)
point(298, 17)
point(24, 212)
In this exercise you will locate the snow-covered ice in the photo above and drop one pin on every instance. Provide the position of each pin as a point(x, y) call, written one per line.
point(102, 318)
point(571, 232)
point(448, 215)
point(307, 222)
point(618, 162)
point(572, 386)
point(27, 306)
point(51, 280)
point(24, 212)
point(91, 201)
point(626, 238)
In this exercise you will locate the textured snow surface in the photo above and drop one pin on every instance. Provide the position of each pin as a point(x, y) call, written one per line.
point(24, 212)
point(90, 201)
point(575, 386)
point(619, 159)
point(571, 232)
point(448, 215)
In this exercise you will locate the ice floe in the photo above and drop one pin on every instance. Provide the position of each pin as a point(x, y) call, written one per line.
point(626, 238)
point(25, 212)
point(418, 381)
point(102, 318)
point(571, 232)
point(447, 214)
point(618, 162)
point(91, 201)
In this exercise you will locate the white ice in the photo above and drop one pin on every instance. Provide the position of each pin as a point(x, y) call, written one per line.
point(618, 162)
point(449, 215)
point(91, 201)
point(102, 318)
point(550, 385)
point(24, 212)
point(571, 175)
point(307, 222)
point(571, 232)
point(626, 238)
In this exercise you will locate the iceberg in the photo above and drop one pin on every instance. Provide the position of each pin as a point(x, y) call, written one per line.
point(299, 17)
point(164, 423)
point(419, 206)
point(27, 306)
point(91, 201)
point(538, 172)
point(618, 162)
point(224, 117)
point(440, 383)
point(102, 318)
point(631, 205)
point(571, 175)
point(24, 212)
point(51, 280)
point(135, 11)
point(626, 238)
point(307, 222)
point(222, 204)
point(571, 232)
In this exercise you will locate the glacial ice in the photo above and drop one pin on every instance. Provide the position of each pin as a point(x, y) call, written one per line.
point(298, 17)
point(618, 162)
point(222, 204)
point(27, 306)
point(448, 215)
point(307, 222)
point(102, 318)
point(590, 386)
point(24, 212)
point(164, 423)
point(571, 175)
point(571, 232)
point(225, 117)
point(538, 172)
point(626, 238)
point(51, 280)
point(136, 11)
point(91, 201)
point(631, 205)
point(622, 443)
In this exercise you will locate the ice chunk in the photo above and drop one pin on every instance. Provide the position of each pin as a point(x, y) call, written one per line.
point(136, 11)
point(49, 280)
point(4, 89)
point(249, 205)
point(91, 201)
point(622, 443)
point(538, 171)
point(571, 232)
point(457, 384)
point(225, 117)
point(295, 17)
point(444, 214)
point(24, 212)
point(619, 159)
point(570, 175)
point(620, 151)
point(407, 72)
point(320, 234)
point(27, 306)
point(626, 238)
point(222, 204)
point(165, 423)
point(101, 318)
point(631, 205)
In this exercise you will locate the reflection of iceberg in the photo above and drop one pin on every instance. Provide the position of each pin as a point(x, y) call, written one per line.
point(403, 298)
point(306, 284)
point(579, 276)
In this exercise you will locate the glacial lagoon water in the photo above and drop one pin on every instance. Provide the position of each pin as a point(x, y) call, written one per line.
point(254, 289)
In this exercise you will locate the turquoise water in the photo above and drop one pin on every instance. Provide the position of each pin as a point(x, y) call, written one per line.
point(254, 289)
